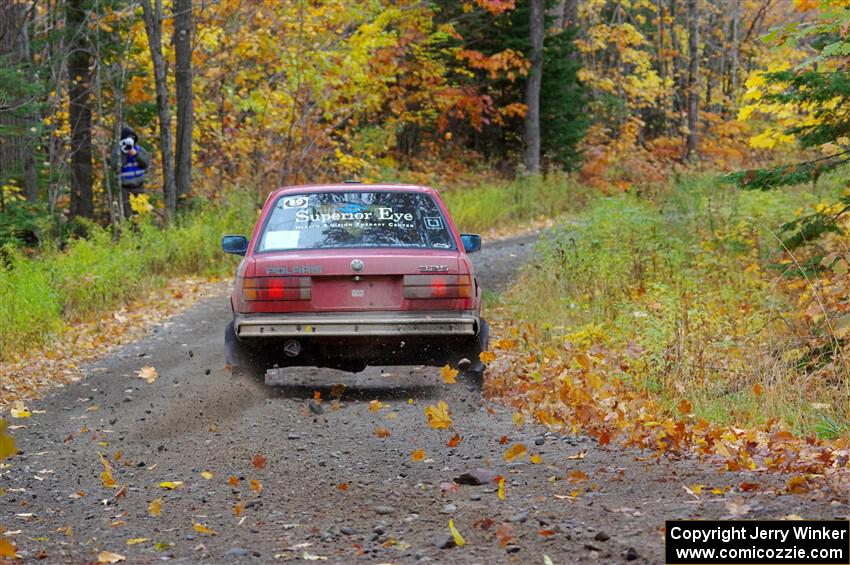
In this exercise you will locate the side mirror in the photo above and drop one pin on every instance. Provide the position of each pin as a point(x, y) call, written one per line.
point(471, 242)
point(236, 244)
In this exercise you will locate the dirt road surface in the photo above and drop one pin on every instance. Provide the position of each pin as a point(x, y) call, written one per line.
point(331, 488)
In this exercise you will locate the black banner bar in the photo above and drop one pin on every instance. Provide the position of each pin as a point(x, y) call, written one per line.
point(757, 542)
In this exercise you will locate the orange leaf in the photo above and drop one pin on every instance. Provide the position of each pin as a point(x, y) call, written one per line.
point(515, 451)
point(797, 485)
point(418, 455)
point(7, 549)
point(758, 390)
point(486, 357)
point(604, 438)
point(239, 509)
point(317, 396)
point(577, 477)
point(382, 432)
point(256, 485)
point(503, 440)
point(259, 461)
point(685, 407)
point(448, 374)
point(342, 486)
point(454, 440)
point(233, 481)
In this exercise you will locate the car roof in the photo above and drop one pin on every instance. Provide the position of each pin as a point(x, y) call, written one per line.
point(351, 187)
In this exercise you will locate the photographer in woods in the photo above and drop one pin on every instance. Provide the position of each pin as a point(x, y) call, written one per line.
point(130, 161)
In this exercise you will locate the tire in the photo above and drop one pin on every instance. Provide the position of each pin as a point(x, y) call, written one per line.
point(243, 361)
point(474, 374)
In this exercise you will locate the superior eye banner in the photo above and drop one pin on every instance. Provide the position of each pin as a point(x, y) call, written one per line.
point(762, 542)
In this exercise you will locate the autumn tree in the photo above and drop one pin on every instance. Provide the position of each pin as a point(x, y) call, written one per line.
point(812, 105)
point(693, 78)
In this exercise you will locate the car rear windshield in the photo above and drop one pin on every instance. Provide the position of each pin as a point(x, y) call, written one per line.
point(355, 219)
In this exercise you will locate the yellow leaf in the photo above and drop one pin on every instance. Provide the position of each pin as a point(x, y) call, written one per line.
point(375, 405)
point(515, 451)
point(155, 507)
point(501, 488)
point(148, 374)
point(536, 459)
point(486, 357)
point(201, 529)
point(137, 541)
point(459, 541)
point(256, 485)
point(109, 557)
point(519, 419)
point(448, 374)
point(19, 410)
point(7, 549)
point(106, 476)
point(239, 509)
point(7, 443)
point(171, 485)
point(418, 455)
point(438, 416)
point(207, 475)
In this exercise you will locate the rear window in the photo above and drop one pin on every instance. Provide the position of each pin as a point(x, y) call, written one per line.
point(355, 219)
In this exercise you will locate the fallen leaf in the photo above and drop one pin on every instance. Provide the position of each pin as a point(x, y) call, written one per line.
point(486, 357)
point(7, 443)
point(233, 481)
point(797, 485)
point(106, 476)
point(109, 557)
point(310, 557)
point(382, 432)
point(137, 541)
point(239, 509)
point(7, 549)
point(459, 541)
point(417, 454)
point(449, 375)
point(504, 533)
point(758, 389)
point(256, 485)
point(148, 374)
point(737, 507)
point(317, 396)
point(503, 440)
point(577, 476)
point(579, 455)
point(604, 438)
point(162, 545)
point(547, 560)
point(155, 507)
point(19, 410)
point(519, 419)
point(501, 488)
point(259, 462)
point(455, 439)
point(337, 391)
point(207, 475)
point(342, 486)
point(516, 451)
point(694, 490)
point(170, 485)
point(438, 415)
point(536, 459)
point(201, 529)
point(749, 487)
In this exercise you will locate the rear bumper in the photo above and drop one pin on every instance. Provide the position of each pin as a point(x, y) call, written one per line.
point(357, 324)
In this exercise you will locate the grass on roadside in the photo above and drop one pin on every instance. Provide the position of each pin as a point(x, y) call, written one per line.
point(686, 291)
point(95, 275)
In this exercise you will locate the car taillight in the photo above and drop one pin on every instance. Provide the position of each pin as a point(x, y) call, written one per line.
point(437, 286)
point(276, 288)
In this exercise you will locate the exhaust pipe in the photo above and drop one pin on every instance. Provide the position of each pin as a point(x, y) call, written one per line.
point(292, 348)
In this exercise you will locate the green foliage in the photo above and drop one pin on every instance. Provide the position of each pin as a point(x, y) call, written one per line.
point(820, 89)
point(95, 275)
point(500, 206)
point(681, 289)
point(563, 101)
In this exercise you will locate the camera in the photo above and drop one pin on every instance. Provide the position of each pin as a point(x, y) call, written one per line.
point(127, 144)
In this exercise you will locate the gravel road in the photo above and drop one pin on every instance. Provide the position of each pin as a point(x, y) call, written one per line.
point(331, 487)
